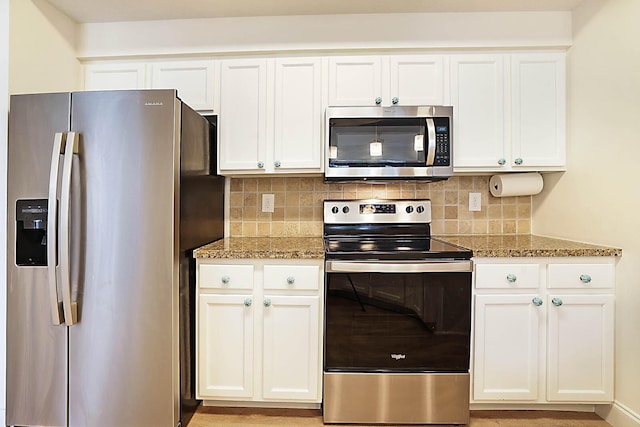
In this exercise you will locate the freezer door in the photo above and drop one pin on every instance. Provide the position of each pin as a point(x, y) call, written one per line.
point(123, 363)
point(36, 347)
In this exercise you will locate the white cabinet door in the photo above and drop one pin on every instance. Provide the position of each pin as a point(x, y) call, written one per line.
point(194, 81)
point(291, 369)
point(538, 110)
point(416, 80)
point(225, 346)
point(506, 355)
point(298, 114)
point(580, 345)
point(381, 80)
point(243, 115)
point(355, 80)
point(115, 76)
point(477, 96)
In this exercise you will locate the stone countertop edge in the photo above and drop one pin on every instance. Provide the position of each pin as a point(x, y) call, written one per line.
point(482, 245)
point(527, 245)
point(263, 248)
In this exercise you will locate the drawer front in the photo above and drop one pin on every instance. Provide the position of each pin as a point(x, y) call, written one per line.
point(214, 276)
point(507, 276)
point(581, 276)
point(291, 277)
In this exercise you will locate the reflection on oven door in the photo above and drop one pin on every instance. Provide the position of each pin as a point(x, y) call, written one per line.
point(407, 322)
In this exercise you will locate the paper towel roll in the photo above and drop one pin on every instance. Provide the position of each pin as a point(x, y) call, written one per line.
point(516, 184)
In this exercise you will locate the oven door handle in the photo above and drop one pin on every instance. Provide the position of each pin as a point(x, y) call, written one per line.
point(386, 267)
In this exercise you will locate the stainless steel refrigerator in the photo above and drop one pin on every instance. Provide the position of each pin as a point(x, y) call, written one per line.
point(108, 193)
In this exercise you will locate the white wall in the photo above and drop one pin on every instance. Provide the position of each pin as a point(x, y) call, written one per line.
point(37, 54)
point(324, 32)
point(4, 109)
point(42, 49)
point(598, 198)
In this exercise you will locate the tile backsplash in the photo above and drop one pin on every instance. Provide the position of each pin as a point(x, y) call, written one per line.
point(298, 205)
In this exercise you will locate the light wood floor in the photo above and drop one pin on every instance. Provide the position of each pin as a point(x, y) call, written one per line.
point(221, 417)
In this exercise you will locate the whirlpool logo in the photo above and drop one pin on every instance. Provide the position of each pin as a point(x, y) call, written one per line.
point(398, 356)
point(154, 104)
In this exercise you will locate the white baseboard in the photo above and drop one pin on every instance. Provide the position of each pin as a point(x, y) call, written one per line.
point(572, 407)
point(618, 415)
point(262, 405)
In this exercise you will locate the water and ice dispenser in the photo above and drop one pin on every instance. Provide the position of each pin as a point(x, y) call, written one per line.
point(31, 232)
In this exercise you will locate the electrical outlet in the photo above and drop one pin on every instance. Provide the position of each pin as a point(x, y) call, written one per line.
point(475, 202)
point(268, 202)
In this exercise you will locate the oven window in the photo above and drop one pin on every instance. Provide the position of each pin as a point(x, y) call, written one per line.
point(413, 322)
point(377, 142)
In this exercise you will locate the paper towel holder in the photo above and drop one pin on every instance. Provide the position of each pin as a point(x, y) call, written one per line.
point(516, 184)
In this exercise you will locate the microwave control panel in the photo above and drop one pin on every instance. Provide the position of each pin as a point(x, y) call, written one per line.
point(443, 141)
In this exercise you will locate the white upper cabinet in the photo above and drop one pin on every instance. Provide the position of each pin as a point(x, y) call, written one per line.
point(243, 115)
point(478, 99)
point(271, 115)
point(386, 80)
point(538, 110)
point(509, 112)
point(194, 81)
point(355, 80)
point(298, 114)
point(110, 76)
point(416, 80)
point(509, 108)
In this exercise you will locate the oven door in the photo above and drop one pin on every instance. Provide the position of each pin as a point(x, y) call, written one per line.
point(398, 316)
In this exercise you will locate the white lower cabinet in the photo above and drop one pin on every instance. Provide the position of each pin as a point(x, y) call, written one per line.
point(225, 346)
point(259, 334)
point(580, 353)
point(290, 352)
point(550, 343)
point(507, 333)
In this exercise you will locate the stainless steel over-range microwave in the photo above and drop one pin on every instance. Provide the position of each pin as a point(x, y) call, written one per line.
point(385, 143)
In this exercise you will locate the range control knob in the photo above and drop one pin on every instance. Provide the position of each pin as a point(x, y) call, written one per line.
point(345, 209)
point(335, 209)
point(409, 209)
point(420, 209)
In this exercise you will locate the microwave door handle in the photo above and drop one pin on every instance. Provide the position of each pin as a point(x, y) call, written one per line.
point(431, 142)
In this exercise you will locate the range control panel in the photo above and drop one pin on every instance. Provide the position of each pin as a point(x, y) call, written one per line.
point(377, 211)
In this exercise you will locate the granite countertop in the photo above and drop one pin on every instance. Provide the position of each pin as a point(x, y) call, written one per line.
point(263, 247)
point(491, 245)
point(527, 245)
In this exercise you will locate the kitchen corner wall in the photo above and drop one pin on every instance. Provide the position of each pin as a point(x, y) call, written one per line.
point(298, 205)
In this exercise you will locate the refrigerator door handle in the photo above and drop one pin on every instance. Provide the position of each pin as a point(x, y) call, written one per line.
point(70, 308)
point(52, 230)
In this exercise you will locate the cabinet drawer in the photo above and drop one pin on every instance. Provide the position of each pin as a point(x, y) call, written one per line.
point(226, 276)
point(581, 276)
point(507, 276)
point(291, 276)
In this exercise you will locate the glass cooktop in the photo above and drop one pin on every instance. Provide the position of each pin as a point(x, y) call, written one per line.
point(399, 248)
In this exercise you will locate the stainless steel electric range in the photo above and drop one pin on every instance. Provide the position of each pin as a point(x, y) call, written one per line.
point(397, 316)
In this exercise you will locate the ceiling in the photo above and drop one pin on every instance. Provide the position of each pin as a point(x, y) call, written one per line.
point(88, 11)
